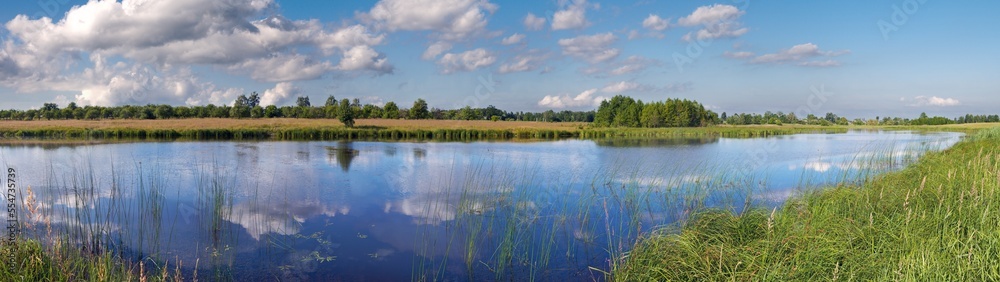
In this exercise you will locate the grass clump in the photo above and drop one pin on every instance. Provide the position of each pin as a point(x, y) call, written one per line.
point(936, 220)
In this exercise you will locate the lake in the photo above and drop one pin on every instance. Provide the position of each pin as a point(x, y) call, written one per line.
point(396, 211)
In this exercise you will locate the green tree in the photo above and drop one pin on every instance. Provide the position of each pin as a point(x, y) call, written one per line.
point(390, 111)
point(419, 110)
point(253, 100)
point(257, 112)
point(163, 112)
point(271, 111)
point(346, 114)
point(241, 107)
point(302, 102)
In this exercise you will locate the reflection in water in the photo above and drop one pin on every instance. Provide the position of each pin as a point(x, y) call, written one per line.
point(654, 142)
point(448, 211)
point(343, 153)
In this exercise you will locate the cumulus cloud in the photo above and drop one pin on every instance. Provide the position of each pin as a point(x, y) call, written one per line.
point(934, 101)
point(436, 49)
point(283, 67)
point(716, 21)
point(450, 19)
point(525, 62)
point(592, 48)
point(799, 54)
point(533, 22)
point(572, 16)
point(365, 58)
point(584, 99)
point(122, 83)
point(513, 39)
point(655, 22)
point(148, 40)
point(466, 61)
point(282, 94)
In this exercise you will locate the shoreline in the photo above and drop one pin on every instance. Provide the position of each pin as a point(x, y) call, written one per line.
point(934, 220)
point(381, 129)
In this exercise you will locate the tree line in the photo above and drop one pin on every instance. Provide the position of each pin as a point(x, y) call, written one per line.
point(780, 118)
point(623, 111)
point(619, 111)
point(248, 106)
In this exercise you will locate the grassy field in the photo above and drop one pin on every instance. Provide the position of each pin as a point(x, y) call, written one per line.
point(936, 220)
point(382, 129)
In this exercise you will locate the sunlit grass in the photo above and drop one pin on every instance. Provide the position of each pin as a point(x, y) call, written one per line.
point(936, 220)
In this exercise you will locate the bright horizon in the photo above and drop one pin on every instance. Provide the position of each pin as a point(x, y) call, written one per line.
point(858, 59)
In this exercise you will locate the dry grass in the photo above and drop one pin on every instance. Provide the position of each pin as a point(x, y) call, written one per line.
point(279, 123)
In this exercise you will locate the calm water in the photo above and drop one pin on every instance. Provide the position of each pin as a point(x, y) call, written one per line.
point(400, 211)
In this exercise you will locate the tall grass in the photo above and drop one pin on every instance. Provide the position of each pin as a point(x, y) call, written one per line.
point(936, 220)
point(508, 225)
point(82, 226)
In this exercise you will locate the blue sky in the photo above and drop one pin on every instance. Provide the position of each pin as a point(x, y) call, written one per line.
point(855, 58)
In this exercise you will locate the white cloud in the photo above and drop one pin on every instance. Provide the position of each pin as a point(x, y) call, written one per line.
point(283, 67)
point(584, 99)
point(631, 64)
point(934, 101)
point(435, 49)
point(147, 42)
point(466, 61)
point(450, 19)
point(365, 58)
point(122, 83)
point(532, 22)
point(655, 22)
point(716, 21)
point(592, 48)
point(282, 94)
point(799, 54)
point(624, 86)
point(523, 63)
point(633, 34)
point(572, 16)
point(513, 39)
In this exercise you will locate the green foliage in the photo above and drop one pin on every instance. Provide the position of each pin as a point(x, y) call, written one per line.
point(346, 114)
point(391, 111)
point(623, 111)
point(419, 110)
point(933, 221)
point(302, 101)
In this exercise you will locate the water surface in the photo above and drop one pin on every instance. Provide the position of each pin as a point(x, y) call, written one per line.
point(411, 211)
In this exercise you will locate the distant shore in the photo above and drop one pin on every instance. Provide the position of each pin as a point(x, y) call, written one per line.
point(385, 129)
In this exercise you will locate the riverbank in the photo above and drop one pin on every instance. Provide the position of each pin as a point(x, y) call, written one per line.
point(384, 129)
point(935, 220)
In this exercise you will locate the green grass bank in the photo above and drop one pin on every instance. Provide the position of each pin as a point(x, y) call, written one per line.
point(936, 220)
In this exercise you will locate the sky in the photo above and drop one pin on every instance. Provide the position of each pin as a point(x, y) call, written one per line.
point(855, 58)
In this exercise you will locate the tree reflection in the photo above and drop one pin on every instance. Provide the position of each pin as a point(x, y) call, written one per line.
point(343, 153)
